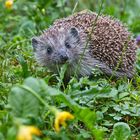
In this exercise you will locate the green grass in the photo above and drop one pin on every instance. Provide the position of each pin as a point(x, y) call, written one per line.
point(30, 94)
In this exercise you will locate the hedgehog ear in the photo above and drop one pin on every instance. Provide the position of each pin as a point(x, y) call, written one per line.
point(34, 43)
point(74, 32)
point(73, 35)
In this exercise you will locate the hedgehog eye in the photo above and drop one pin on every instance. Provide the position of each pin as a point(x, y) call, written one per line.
point(49, 50)
point(67, 45)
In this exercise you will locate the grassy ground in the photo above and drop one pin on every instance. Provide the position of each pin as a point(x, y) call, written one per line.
point(33, 100)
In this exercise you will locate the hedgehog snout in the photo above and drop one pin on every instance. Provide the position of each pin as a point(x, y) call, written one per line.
point(63, 57)
point(60, 57)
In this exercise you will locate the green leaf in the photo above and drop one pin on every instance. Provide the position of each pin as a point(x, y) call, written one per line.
point(23, 103)
point(121, 131)
point(117, 117)
point(61, 76)
point(1, 136)
point(33, 84)
point(123, 94)
point(85, 134)
point(11, 134)
point(23, 63)
point(99, 115)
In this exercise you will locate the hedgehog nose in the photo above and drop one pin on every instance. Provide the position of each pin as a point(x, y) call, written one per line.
point(63, 57)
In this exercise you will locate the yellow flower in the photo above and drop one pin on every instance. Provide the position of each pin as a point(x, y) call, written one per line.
point(26, 132)
point(8, 4)
point(60, 119)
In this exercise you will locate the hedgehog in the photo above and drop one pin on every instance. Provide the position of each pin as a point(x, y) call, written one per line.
point(85, 41)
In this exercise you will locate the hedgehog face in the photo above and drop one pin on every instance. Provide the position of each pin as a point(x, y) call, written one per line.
point(53, 49)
